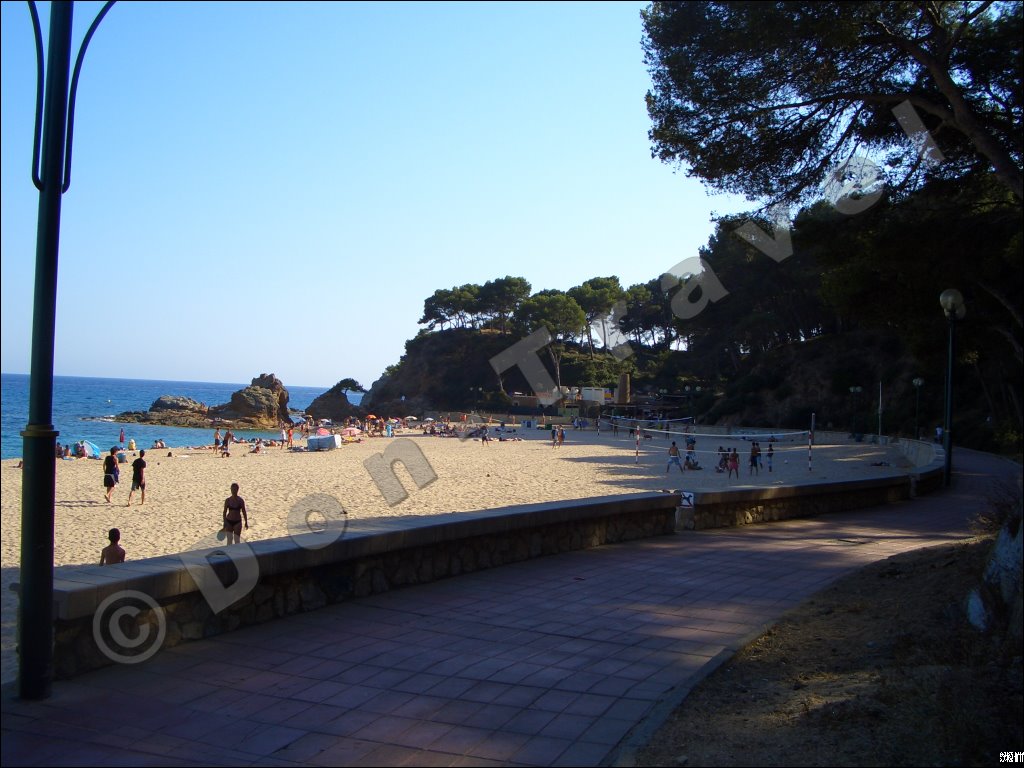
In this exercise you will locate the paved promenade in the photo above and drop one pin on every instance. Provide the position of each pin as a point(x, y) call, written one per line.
point(573, 659)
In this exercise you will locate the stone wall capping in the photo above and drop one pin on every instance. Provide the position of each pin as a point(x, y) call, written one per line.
point(78, 591)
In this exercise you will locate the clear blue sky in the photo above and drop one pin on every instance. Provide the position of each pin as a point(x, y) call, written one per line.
point(277, 187)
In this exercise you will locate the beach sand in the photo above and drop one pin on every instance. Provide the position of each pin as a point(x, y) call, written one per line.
point(186, 489)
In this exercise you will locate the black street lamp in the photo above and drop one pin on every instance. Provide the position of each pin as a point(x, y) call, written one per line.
point(855, 393)
point(51, 175)
point(952, 302)
point(917, 407)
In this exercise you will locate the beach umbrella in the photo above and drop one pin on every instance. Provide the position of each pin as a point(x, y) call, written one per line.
point(350, 431)
point(322, 432)
point(429, 419)
point(411, 418)
point(371, 416)
point(91, 449)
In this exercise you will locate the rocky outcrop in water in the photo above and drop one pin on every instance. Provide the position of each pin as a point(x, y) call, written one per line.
point(261, 405)
point(264, 402)
point(333, 404)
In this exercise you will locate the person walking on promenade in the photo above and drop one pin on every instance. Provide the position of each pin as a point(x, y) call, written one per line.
point(753, 458)
point(110, 472)
point(138, 478)
point(673, 458)
point(234, 516)
point(771, 455)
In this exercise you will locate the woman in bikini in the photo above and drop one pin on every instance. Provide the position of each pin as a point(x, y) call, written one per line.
point(110, 472)
point(234, 515)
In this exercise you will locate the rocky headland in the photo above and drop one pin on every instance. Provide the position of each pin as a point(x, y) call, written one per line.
point(333, 404)
point(261, 405)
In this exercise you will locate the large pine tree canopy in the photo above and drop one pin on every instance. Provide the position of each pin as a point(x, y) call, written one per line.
point(768, 99)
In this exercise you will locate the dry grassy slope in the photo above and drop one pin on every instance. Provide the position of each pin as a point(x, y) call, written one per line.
point(878, 669)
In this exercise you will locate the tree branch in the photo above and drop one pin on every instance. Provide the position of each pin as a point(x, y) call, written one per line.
point(1007, 304)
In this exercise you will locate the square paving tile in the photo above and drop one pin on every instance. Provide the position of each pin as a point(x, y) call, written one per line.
point(540, 750)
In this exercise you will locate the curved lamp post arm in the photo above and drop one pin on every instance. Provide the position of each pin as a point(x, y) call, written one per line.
point(37, 134)
point(69, 135)
point(74, 92)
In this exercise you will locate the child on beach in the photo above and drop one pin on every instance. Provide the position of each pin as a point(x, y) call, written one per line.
point(113, 552)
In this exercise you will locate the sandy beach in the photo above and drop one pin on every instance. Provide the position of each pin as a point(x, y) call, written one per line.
point(186, 488)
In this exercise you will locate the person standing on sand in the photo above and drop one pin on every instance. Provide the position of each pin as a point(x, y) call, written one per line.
point(113, 552)
point(554, 435)
point(234, 515)
point(561, 436)
point(734, 464)
point(291, 436)
point(673, 458)
point(110, 472)
point(216, 440)
point(138, 478)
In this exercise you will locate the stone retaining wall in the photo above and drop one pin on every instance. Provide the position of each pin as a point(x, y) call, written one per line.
point(298, 574)
point(724, 509)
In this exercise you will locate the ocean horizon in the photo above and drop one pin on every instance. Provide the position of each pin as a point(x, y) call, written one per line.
point(84, 407)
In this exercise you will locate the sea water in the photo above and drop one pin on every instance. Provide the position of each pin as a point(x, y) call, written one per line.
point(83, 409)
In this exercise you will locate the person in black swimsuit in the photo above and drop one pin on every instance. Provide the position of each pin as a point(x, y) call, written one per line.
point(110, 472)
point(234, 516)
